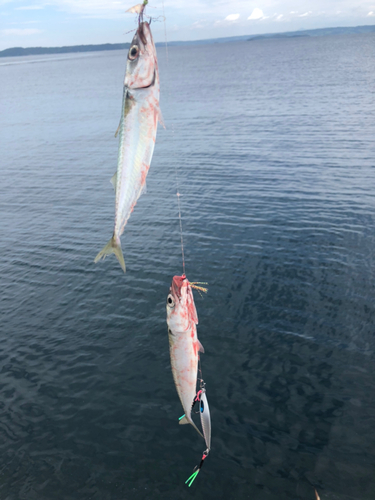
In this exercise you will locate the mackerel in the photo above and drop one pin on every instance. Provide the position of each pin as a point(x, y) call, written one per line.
point(137, 133)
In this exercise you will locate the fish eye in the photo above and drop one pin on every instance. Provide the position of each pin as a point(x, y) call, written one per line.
point(170, 301)
point(133, 52)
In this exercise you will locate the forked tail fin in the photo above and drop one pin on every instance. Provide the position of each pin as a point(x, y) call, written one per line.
point(113, 246)
point(184, 420)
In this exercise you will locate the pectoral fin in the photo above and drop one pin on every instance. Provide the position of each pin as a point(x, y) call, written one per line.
point(113, 180)
point(200, 347)
point(118, 128)
point(160, 117)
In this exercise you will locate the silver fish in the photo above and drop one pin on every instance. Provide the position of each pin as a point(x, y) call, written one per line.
point(137, 133)
point(184, 346)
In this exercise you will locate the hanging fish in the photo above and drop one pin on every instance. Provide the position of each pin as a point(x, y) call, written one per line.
point(137, 133)
point(184, 346)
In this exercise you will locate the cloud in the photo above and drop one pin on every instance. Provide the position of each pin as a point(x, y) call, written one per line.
point(279, 17)
point(232, 17)
point(227, 21)
point(199, 24)
point(256, 14)
point(305, 14)
point(371, 14)
point(20, 32)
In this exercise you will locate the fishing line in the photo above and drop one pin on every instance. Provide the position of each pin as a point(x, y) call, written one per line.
point(180, 219)
point(165, 34)
point(178, 194)
point(203, 404)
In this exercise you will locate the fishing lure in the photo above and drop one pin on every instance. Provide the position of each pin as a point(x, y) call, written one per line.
point(204, 412)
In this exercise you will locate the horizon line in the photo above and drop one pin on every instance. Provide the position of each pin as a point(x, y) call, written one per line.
point(200, 40)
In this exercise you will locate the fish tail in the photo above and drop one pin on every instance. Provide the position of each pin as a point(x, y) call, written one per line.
point(184, 420)
point(113, 246)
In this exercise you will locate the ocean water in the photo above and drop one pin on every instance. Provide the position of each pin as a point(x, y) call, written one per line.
point(273, 145)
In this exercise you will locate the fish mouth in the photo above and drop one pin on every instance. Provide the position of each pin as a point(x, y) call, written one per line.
point(143, 35)
point(176, 286)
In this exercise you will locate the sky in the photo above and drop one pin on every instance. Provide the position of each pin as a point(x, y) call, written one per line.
point(38, 23)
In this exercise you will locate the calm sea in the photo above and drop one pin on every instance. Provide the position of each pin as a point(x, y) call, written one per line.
point(273, 142)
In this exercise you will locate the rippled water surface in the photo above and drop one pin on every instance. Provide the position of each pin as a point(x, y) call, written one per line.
point(273, 141)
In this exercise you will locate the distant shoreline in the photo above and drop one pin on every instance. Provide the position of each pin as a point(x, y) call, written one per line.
point(20, 51)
